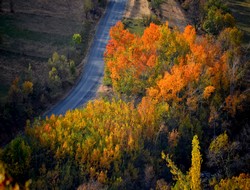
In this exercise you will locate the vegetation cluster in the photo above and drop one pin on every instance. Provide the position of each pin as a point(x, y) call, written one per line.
point(47, 84)
point(178, 118)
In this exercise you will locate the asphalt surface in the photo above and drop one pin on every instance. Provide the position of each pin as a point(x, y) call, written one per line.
point(93, 70)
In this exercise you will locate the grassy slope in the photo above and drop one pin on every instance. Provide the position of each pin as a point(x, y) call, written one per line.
point(33, 33)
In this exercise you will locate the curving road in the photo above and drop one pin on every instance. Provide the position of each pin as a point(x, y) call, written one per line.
point(93, 70)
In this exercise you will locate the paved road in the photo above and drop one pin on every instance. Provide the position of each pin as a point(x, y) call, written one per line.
point(93, 70)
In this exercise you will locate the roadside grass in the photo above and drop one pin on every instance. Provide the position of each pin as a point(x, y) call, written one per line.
point(135, 26)
point(241, 11)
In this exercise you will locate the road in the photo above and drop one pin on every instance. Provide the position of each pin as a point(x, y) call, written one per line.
point(93, 70)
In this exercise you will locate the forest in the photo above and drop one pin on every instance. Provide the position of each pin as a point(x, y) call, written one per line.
point(177, 117)
point(42, 47)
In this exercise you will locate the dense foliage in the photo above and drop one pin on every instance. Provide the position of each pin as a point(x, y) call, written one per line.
point(211, 16)
point(175, 93)
point(98, 143)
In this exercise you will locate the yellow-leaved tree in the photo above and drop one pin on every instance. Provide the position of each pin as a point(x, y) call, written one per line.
point(195, 170)
point(190, 180)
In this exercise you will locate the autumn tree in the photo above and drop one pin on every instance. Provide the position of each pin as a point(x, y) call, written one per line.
point(130, 60)
point(177, 86)
point(191, 180)
point(195, 170)
point(182, 180)
point(237, 182)
point(6, 181)
point(98, 139)
point(230, 38)
point(222, 154)
point(195, 78)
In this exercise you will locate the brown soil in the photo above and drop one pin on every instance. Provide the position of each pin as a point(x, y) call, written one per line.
point(104, 92)
point(172, 12)
point(137, 9)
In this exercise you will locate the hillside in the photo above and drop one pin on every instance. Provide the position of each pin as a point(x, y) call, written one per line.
point(173, 111)
point(34, 32)
point(42, 48)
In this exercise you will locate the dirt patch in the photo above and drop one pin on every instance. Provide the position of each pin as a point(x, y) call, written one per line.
point(104, 92)
point(172, 12)
point(137, 9)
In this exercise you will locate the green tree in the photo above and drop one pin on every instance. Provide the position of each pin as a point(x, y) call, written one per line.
point(216, 21)
point(77, 39)
point(62, 72)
